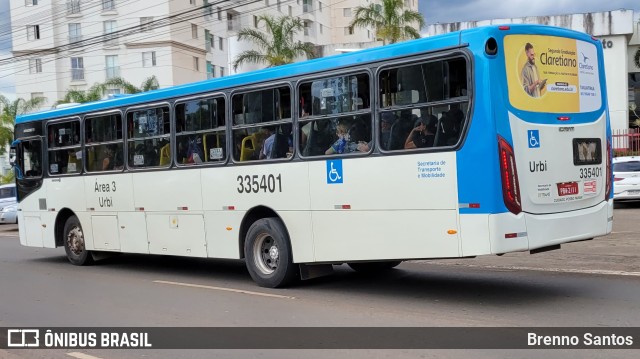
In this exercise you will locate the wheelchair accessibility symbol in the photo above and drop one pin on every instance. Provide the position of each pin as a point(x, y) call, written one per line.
point(334, 171)
point(534, 138)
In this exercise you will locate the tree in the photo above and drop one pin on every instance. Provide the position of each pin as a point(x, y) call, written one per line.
point(9, 111)
point(149, 84)
point(391, 22)
point(276, 49)
point(10, 177)
point(94, 93)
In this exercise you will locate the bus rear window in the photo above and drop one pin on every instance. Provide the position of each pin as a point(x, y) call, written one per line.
point(552, 74)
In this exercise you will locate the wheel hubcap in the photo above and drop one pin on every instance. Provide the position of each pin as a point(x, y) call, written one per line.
point(266, 254)
point(75, 240)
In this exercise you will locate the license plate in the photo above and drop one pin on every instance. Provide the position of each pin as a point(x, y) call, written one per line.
point(634, 191)
point(567, 188)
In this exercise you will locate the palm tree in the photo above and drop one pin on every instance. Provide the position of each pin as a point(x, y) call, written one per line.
point(279, 48)
point(9, 111)
point(150, 83)
point(94, 93)
point(391, 22)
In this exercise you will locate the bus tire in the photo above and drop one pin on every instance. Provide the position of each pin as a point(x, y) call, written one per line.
point(373, 267)
point(268, 254)
point(74, 243)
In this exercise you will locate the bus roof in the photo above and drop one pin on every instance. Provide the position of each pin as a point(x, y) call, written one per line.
point(401, 49)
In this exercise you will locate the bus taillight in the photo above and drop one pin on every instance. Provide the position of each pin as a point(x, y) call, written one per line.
point(607, 191)
point(509, 175)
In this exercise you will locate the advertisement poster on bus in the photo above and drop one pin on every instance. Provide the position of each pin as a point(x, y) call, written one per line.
point(552, 74)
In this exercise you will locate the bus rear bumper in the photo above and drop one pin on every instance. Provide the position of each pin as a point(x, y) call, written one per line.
point(550, 229)
point(527, 231)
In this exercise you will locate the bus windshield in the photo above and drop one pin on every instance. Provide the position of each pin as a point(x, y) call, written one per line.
point(552, 74)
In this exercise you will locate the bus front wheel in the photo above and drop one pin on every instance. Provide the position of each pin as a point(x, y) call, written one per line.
point(372, 267)
point(268, 254)
point(74, 243)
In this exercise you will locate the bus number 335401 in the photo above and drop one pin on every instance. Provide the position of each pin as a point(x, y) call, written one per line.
point(257, 183)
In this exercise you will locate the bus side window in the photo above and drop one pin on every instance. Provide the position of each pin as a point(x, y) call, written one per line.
point(149, 133)
point(256, 121)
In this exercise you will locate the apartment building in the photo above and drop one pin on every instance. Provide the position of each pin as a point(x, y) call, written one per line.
point(73, 44)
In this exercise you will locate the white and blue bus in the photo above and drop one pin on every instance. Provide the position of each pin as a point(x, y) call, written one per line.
point(482, 141)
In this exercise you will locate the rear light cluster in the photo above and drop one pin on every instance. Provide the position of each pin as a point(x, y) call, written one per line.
point(509, 175)
point(609, 174)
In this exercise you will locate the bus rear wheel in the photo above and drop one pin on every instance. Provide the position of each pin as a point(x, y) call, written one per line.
point(373, 267)
point(74, 243)
point(268, 254)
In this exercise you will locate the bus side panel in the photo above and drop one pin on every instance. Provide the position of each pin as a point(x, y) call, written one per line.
point(168, 191)
point(48, 233)
point(176, 234)
point(387, 207)
point(109, 193)
point(222, 230)
point(282, 187)
point(65, 192)
point(112, 195)
point(474, 234)
point(405, 182)
point(502, 224)
point(33, 231)
point(30, 213)
point(172, 203)
point(300, 228)
point(133, 232)
point(370, 235)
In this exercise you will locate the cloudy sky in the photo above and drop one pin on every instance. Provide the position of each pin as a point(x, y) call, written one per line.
point(444, 11)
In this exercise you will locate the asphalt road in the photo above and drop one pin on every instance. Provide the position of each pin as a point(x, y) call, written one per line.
point(587, 284)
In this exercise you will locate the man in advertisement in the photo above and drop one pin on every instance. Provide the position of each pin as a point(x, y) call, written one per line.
point(530, 75)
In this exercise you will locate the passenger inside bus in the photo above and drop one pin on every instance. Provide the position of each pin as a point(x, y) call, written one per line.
point(449, 127)
point(108, 163)
point(423, 133)
point(400, 129)
point(283, 142)
point(320, 137)
point(267, 146)
point(349, 134)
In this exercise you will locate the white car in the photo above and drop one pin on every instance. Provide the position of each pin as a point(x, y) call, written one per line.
point(9, 214)
point(626, 177)
point(7, 195)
